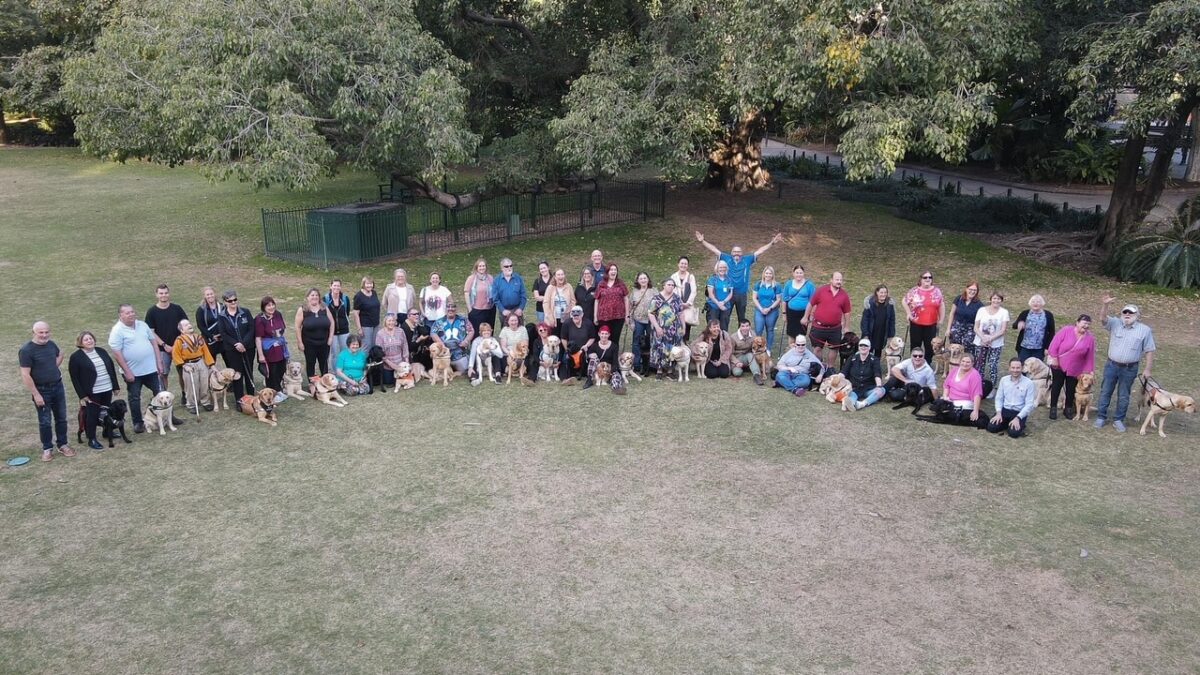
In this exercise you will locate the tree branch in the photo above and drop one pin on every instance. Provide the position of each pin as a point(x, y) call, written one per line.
point(511, 24)
point(450, 200)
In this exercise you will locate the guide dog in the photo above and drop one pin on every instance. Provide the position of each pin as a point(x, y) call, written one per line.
point(940, 357)
point(516, 361)
point(160, 413)
point(758, 349)
point(625, 361)
point(893, 352)
point(219, 380)
point(110, 423)
point(1083, 396)
point(374, 368)
point(326, 387)
point(1159, 403)
point(293, 381)
point(915, 395)
point(1039, 372)
point(488, 347)
point(700, 358)
point(603, 372)
point(440, 354)
point(680, 357)
point(835, 388)
point(847, 348)
point(260, 406)
point(945, 412)
point(549, 359)
point(406, 377)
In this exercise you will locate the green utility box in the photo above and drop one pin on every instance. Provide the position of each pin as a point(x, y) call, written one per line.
point(356, 232)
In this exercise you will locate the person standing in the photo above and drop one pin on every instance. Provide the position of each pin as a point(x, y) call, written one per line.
point(585, 293)
point(612, 303)
point(739, 270)
point(666, 322)
point(828, 316)
point(508, 291)
point(208, 320)
point(270, 345)
point(1035, 330)
point(878, 322)
point(539, 290)
point(135, 348)
point(1072, 353)
point(237, 334)
point(1015, 399)
point(365, 311)
point(685, 289)
point(163, 318)
point(1129, 340)
point(339, 311)
point(597, 265)
point(640, 299)
point(719, 290)
point(40, 360)
point(191, 348)
point(797, 293)
point(399, 296)
point(926, 308)
point(477, 292)
point(991, 323)
point(768, 296)
point(557, 302)
point(960, 325)
point(314, 333)
point(94, 377)
point(434, 298)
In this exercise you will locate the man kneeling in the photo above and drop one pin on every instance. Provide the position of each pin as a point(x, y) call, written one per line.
point(1015, 399)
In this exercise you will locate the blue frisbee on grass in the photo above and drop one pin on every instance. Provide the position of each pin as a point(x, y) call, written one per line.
point(18, 461)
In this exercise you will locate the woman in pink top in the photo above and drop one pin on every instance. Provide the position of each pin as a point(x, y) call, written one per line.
point(964, 387)
point(1071, 354)
point(477, 291)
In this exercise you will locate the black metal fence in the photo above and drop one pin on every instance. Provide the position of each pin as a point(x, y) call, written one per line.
point(365, 231)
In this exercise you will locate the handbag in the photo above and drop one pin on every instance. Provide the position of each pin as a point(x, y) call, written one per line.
point(691, 316)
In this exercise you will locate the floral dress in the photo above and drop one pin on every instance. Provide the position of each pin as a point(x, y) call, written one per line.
point(668, 314)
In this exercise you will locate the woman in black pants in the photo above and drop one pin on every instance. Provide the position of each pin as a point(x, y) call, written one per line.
point(237, 336)
point(314, 333)
point(95, 380)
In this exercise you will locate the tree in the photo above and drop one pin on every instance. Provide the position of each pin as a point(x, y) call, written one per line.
point(696, 85)
point(19, 30)
point(1155, 52)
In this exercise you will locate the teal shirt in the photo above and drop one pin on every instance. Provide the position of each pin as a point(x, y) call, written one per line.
point(354, 365)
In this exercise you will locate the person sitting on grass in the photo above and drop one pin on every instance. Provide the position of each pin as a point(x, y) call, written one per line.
point(1015, 399)
point(496, 355)
point(743, 359)
point(866, 381)
point(604, 350)
point(720, 350)
point(913, 369)
point(454, 332)
point(963, 387)
point(796, 366)
point(351, 368)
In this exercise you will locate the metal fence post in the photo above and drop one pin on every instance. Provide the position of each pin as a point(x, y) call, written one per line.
point(579, 207)
point(533, 210)
point(324, 248)
point(645, 201)
point(662, 202)
point(266, 241)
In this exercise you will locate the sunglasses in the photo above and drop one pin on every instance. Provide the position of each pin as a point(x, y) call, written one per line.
point(231, 300)
point(507, 267)
point(1125, 311)
point(926, 277)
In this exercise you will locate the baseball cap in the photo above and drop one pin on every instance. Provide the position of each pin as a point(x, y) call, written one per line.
point(1129, 308)
point(577, 308)
point(801, 340)
point(864, 341)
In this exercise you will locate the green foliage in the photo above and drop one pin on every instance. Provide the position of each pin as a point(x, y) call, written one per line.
point(916, 181)
point(1092, 161)
point(267, 94)
point(1169, 258)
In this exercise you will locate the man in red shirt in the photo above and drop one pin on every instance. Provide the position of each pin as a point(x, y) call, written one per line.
point(827, 316)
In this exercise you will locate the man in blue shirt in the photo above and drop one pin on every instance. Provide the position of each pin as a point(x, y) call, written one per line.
point(739, 268)
point(1130, 340)
point(455, 332)
point(508, 292)
point(1016, 398)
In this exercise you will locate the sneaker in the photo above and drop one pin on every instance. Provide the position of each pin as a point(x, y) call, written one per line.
point(280, 398)
point(1054, 413)
point(68, 452)
point(1099, 422)
point(139, 428)
point(758, 380)
point(476, 383)
point(1069, 414)
point(47, 455)
point(95, 444)
point(859, 405)
point(1119, 426)
point(176, 421)
point(800, 392)
point(208, 407)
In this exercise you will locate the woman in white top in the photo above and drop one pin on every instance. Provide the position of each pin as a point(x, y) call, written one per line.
point(399, 296)
point(685, 288)
point(991, 322)
point(433, 299)
point(557, 300)
point(513, 334)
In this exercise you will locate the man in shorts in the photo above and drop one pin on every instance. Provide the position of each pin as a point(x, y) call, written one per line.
point(828, 317)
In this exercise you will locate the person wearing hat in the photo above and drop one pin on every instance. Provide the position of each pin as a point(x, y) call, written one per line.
point(604, 350)
point(577, 335)
point(1129, 341)
point(866, 379)
point(796, 367)
point(455, 332)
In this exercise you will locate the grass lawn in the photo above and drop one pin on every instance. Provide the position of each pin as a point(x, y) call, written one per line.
point(713, 526)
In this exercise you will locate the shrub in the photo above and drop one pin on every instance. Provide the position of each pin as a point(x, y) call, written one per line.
point(916, 181)
point(918, 200)
point(1169, 258)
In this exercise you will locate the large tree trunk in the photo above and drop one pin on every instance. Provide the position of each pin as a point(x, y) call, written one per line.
point(1192, 175)
point(3, 125)
point(1129, 205)
point(735, 164)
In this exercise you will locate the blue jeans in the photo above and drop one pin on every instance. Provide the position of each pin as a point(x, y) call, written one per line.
point(792, 381)
point(641, 336)
point(1024, 353)
point(721, 316)
point(54, 397)
point(875, 395)
point(764, 325)
point(1116, 375)
point(149, 381)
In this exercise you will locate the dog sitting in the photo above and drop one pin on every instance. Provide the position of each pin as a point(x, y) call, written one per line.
point(940, 357)
point(160, 413)
point(219, 380)
point(758, 349)
point(1039, 372)
point(111, 422)
point(549, 359)
point(1083, 396)
point(603, 373)
point(700, 358)
point(293, 381)
point(326, 388)
point(260, 405)
point(835, 388)
point(680, 358)
point(440, 354)
point(953, 355)
point(1159, 403)
point(847, 348)
point(893, 352)
point(406, 377)
point(374, 374)
point(625, 362)
point(915, 395)
point(516, 361)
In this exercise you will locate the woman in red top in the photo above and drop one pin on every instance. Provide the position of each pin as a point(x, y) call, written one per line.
point(612, 303)
point(925, 312)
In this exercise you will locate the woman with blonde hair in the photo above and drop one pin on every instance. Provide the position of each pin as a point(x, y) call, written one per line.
point(557, 300)
point(768, 296)
point(477, 291)
point(399, 295)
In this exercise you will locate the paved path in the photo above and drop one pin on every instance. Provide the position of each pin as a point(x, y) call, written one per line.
point(1080, 199)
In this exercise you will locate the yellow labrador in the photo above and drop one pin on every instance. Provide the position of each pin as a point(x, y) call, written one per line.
point(160, 413)
point(1159, 403)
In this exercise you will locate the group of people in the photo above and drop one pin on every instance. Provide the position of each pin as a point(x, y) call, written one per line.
point(336, 332)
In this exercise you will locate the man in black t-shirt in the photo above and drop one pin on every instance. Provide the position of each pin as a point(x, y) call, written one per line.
point(163, 318)
point(40, 361)
point(577, 335)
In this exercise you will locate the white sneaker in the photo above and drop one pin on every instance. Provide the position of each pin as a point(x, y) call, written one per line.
point(859, 405)
point(280, 397)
